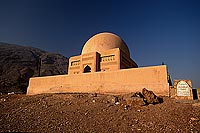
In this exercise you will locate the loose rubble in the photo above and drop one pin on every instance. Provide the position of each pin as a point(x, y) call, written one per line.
point(141, 99)
point(82, 112)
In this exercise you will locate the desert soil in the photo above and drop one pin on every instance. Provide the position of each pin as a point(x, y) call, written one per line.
point(81, 112)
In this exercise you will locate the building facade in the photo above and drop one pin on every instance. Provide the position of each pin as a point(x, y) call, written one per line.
point(104, 66)
point(102, 52)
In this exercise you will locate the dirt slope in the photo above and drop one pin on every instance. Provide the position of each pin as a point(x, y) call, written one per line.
point(94, 113)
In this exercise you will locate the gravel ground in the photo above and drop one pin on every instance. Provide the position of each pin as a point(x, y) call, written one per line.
point(80, 112)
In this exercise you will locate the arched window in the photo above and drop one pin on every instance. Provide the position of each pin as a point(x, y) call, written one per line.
point(87, 69)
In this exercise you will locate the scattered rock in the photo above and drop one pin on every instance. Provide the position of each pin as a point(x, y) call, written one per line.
point(150, 97)
point(194, 119)
point(2, 100)
point(141, 99)
point(126, 107)
point(92, 95)
point(138, 94)
point(112, 99)
point(117, 103)
point(11, 93)
point(132, 101)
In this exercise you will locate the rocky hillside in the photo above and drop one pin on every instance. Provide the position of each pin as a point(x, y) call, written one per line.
point(19, 63)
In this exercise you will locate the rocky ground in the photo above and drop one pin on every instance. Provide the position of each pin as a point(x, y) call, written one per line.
point(80, 112)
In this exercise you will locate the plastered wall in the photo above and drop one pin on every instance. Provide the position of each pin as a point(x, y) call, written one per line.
point(112, 82)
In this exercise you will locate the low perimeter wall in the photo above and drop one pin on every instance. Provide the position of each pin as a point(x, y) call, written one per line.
point(113, 82)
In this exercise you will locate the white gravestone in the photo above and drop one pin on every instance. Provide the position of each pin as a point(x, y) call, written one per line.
point(183, 89)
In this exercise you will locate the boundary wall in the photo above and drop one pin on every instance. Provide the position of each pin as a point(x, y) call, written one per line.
point(116, 82)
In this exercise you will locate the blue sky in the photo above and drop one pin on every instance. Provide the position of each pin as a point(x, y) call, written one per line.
point(155, 31)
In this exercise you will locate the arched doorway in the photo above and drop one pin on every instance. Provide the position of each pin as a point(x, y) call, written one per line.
point(87, 69)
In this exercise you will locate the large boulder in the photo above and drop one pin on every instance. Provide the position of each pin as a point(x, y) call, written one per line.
point(150, 97)
point(141, 99)
point(19, 63)
point(134, 99)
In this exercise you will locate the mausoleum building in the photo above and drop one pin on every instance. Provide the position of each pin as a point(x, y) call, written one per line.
point(102, 52)
point(104, 66)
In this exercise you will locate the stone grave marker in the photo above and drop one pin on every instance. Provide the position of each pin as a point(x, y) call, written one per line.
point(183, 89)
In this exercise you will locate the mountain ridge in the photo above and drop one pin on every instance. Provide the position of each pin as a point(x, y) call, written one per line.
point(19, 63)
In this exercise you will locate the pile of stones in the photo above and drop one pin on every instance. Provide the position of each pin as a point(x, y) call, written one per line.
point(145, 98)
